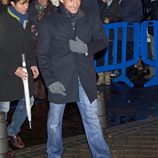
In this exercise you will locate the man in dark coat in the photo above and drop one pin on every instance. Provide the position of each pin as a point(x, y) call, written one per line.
point(68, 39)
point(38, 9)
point(3, 4)
point(110, 10)
point(15, 39)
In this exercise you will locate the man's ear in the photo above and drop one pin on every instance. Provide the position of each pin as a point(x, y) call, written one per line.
point(61, 1)
point(12, 3)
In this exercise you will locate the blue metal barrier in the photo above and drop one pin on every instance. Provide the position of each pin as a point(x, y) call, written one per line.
point(145, 53)
point(120, 30)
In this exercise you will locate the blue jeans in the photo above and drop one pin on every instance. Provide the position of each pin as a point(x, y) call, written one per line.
point(88, 111)
point(18, 118)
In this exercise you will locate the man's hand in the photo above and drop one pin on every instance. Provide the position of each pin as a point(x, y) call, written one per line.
point(78, 46)
point(35, 71)
point(58, 88)
point(106, 20)
point(20, 72)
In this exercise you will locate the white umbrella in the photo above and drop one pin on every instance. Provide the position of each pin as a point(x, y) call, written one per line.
point(26, 92)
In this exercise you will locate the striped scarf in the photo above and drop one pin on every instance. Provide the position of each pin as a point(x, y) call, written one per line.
point(22, 18)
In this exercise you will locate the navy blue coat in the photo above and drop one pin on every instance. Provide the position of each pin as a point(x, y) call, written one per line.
point(14, 40)
point(58, 63)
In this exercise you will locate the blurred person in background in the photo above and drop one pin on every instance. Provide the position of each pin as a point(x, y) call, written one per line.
point(39, 9)
point(110, 11)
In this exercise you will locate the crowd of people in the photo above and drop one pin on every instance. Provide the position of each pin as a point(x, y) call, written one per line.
point(59, 40)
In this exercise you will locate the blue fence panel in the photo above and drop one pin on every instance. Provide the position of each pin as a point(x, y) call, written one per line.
point(146, 52)
point(120, 35)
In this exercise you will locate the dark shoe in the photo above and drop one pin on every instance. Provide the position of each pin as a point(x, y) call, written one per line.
point(10, 153)
point(16, 141)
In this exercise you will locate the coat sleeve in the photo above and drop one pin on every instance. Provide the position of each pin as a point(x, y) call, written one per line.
point(43, 54)
point(7, 65)
point(98, 41)
point(31, 55)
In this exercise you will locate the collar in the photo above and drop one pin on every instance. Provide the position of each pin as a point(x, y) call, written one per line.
point(16, 14)
point(109, 2)
point(67, 14)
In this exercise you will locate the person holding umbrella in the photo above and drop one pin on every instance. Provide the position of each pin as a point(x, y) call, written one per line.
point(16, 39)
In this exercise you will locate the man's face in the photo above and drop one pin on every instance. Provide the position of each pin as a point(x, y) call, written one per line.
point(21, 6)
point(4, 2)
point(71, 5)
point(43, 2)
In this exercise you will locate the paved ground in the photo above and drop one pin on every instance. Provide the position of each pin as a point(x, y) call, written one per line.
point(131, 126)
point(138, 139)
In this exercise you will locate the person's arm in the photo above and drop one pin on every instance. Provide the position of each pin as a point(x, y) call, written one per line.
point(35, 71)
point(43, 56)
point(42, 52)
point(98, 42)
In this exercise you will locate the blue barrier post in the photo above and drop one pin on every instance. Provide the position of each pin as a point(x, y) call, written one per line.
point(144, 49)
point(116, 27)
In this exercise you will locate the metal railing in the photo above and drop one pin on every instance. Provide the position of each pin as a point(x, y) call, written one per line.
point(119, 41)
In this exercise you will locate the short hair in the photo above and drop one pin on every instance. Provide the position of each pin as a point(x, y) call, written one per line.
point(15, 1)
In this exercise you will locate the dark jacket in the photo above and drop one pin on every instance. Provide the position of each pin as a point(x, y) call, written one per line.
point(58, 63)
point(34, 15)
point(154, 14)
point(154, 10)
point(113, 11)
point(90, 5)
point(132, 11)
point(146, 4)
point(2, 7)
point(14, 41)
